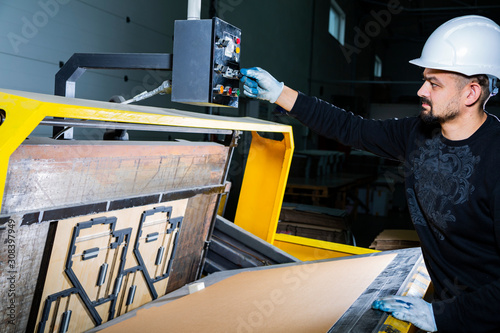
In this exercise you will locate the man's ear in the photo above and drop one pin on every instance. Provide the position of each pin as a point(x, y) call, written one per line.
point(473, 93)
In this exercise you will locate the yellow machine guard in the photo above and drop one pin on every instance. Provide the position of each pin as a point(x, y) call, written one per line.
point(266, 170)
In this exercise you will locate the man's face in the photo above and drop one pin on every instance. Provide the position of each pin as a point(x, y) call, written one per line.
point(440, 96)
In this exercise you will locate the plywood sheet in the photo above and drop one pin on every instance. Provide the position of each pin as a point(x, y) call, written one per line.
point(49, 174)
point(299, 298)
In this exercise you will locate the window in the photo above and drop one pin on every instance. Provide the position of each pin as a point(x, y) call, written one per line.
point(336, 25)
point(377, 72)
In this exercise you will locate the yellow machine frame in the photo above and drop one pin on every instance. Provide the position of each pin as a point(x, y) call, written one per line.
point(24, 112)
point(266, 170)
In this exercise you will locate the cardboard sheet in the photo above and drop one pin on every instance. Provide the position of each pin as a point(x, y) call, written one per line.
point(299, 298)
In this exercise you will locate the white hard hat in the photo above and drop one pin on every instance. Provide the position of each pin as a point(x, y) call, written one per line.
point(468, 44)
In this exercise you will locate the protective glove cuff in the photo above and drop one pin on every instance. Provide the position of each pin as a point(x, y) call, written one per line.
point(276, 92)
point(433, 319)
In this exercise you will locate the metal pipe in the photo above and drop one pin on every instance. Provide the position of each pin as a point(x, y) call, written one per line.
point(194, 9)
point(129, 126)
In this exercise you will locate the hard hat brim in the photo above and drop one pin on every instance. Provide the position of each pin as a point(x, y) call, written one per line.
point(466, 70)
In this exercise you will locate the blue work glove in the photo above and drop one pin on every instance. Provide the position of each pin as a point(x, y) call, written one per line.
point(260, 84)
point(411, 309)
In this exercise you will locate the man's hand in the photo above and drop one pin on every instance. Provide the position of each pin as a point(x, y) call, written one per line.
point(260, 84)
point(411, 309)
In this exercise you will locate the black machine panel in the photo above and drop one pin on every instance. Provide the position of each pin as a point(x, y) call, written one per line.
point(206, 63)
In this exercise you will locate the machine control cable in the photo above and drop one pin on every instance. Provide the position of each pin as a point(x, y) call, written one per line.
point(164, 88)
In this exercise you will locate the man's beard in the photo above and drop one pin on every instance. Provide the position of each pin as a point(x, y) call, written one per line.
point(431, 118)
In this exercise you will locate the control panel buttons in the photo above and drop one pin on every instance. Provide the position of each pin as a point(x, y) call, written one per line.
point(231, 46)
point(228, 91)
point(222, 42)
point(226, 64)
point(220, 69)
point(230, 73)
point(206, 65)
point(219, 89)
point(229, 50)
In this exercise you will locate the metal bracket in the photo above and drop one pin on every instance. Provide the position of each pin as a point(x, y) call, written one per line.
point(79, 62)
point(65, 81)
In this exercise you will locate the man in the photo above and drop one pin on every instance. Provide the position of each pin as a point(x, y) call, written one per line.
point(451, 154)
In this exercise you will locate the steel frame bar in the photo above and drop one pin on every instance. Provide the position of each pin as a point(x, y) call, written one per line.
point(126, 126)
point(66, 77)
point(65, 80)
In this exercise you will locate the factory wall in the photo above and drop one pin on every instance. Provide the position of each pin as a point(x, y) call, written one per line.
point(289, 38)
point(37, 36)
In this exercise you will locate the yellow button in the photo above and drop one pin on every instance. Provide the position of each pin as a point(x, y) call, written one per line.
point(237, 50)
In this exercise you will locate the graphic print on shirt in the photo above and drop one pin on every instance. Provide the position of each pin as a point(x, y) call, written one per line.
point(441, 180)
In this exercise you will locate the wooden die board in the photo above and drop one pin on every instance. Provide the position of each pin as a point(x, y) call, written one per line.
point(109, 238)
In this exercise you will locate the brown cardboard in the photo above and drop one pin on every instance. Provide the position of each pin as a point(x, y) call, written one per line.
point(299, 298)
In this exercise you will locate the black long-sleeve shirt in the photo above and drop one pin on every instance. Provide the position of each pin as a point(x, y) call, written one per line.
point(453, 194)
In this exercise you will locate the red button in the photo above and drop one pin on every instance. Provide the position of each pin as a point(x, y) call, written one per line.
point(238, 40)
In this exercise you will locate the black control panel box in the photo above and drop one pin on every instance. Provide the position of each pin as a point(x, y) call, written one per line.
point(206, 63)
